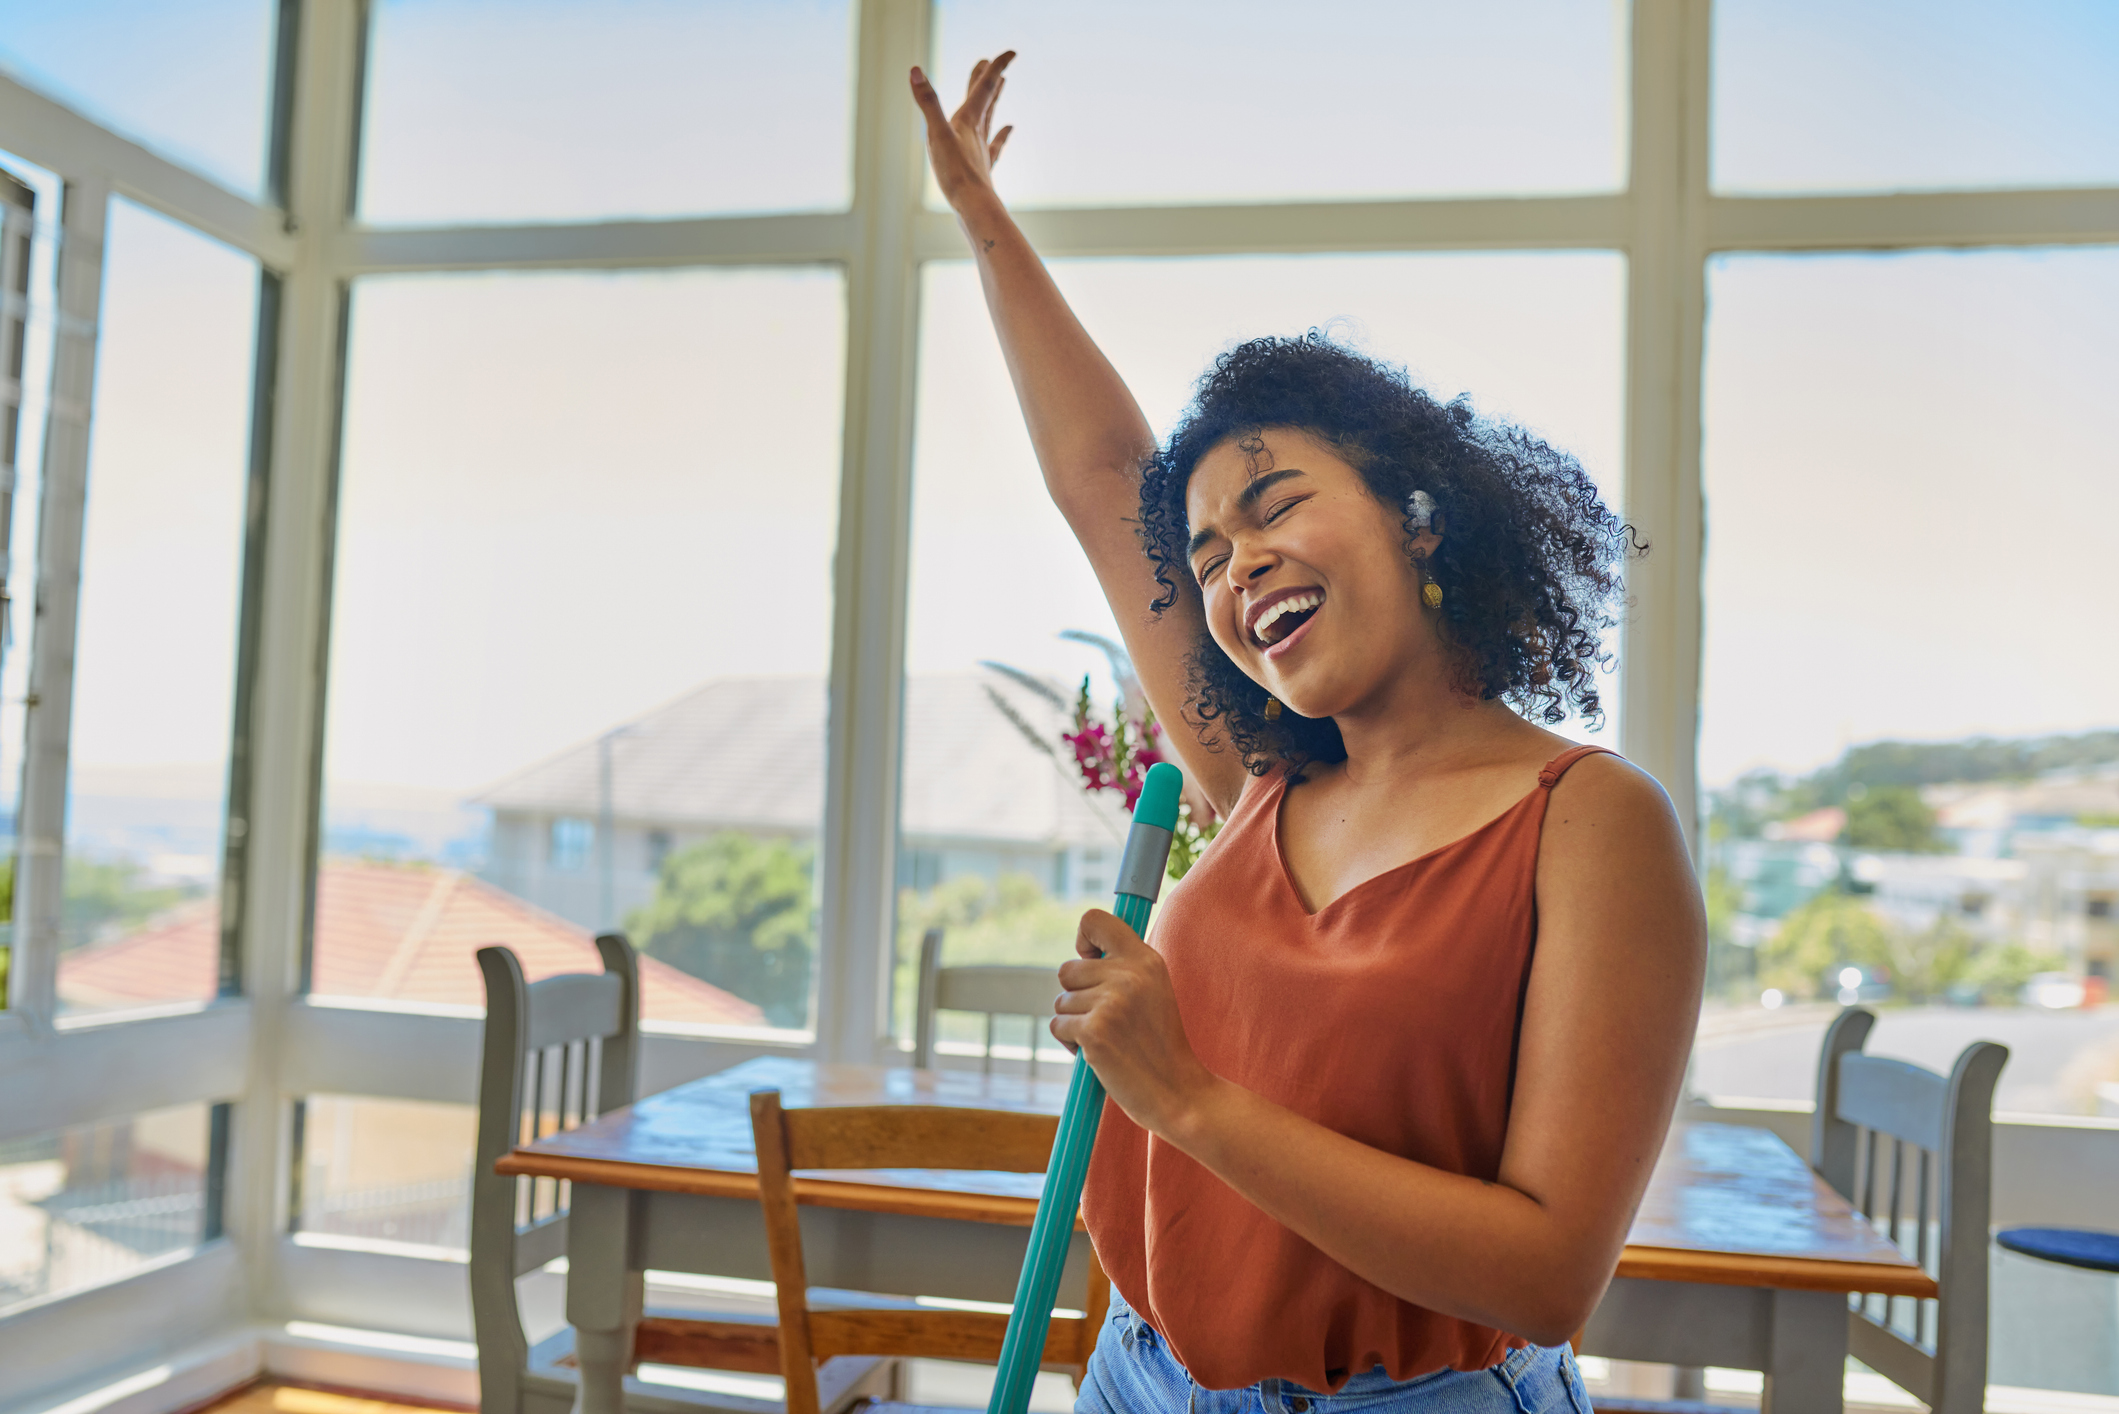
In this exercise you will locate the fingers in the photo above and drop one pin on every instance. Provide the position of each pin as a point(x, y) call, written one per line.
point(1102, 935)
point(986, 81)
point(930, 102)
point(1083, 973)
point(993, 150)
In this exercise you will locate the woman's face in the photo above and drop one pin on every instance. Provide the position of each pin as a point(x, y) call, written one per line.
point(1304, 574)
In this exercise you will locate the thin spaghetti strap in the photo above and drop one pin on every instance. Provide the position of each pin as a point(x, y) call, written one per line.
point(1557, 767)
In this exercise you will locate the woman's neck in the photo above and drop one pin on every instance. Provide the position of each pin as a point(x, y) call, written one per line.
point(1424, 723)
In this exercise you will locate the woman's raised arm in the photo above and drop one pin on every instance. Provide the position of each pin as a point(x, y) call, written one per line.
point(1089, 434)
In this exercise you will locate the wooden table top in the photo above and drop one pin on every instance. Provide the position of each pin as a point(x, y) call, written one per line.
point(696, 1139)
point(1728, 1204)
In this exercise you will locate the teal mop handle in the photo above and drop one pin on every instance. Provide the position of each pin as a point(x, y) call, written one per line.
point(1140, 875)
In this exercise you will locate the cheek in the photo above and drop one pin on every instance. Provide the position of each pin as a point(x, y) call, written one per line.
point(1221, 623)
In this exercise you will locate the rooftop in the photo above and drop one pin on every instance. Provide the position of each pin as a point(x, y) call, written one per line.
point(385, 931)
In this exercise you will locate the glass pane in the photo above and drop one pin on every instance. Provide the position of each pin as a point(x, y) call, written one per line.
point(567, 110)
point(193, 81)
point(581, 630)
point(1122, 102)
point(29, 210)
point(90, 1204)
point(1907, 742)
point(154, 666)
point(1879, 95)
point(998, 845)
point(387, 1170)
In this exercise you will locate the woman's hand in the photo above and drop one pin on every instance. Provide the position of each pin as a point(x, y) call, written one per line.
point(1121, 1012)
point(959, 146)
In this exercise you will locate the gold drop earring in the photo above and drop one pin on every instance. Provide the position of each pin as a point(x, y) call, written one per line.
point(1430, 592)
point(1272, 708)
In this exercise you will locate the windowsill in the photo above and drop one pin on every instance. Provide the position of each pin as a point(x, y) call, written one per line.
point(380, 1247)
point(775, 1037)
point(77, 1022)
point(1803, 1107)
point(451, 1011)
point(742, 1035)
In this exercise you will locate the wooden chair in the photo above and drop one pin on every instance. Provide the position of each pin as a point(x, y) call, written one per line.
point(895, 1137)
point(1938, 1195)
point(994, 991)
point(557, 1053)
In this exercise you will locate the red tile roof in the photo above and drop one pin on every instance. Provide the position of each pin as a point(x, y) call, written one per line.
point(386, 931)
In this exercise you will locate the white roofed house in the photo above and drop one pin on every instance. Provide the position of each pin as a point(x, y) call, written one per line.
point(746, 755)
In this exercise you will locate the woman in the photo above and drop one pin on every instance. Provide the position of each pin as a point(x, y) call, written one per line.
point(1392, 1081)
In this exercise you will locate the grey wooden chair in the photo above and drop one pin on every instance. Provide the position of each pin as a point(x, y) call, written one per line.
point(558, 1053)
point(994, 991)
point(1914, 1151)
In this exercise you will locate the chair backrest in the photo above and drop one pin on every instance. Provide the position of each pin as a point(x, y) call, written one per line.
point(898, 1137)
point(1870, 1113)
point(557, 1053)
point(995, 991)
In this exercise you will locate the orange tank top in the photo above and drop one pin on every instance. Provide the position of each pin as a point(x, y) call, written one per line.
point(1390, 1016)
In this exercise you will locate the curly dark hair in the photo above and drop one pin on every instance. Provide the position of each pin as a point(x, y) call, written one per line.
point(1528, 561)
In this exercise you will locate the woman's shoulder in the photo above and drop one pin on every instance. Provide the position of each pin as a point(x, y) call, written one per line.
point(1599, 775)
point(1604, 810)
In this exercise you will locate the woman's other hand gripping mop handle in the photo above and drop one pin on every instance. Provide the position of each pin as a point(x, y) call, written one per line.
point(1140, 876)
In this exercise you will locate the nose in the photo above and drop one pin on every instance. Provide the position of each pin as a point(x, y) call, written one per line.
point(1249, 562)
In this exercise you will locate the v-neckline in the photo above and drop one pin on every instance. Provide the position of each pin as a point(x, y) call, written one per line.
point(1287, 875)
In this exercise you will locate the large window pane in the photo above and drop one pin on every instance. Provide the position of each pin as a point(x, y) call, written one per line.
point(581, 628)
point(96, 1202)
point(1908, 732)
point(154, 666)
point(394, 1171)
point(1880, 95)
point(565, 110)
point(1254, 101)
point(192, 80)
point(998, 845)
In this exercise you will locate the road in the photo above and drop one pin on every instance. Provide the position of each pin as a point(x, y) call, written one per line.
point(2055, 1057)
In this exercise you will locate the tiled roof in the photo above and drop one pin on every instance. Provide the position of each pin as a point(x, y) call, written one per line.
point(741, 753)
point(390, 932)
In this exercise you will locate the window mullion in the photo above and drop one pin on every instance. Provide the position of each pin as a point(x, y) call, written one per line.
point(40, 825)
point(875, 519)
point(1666, 309)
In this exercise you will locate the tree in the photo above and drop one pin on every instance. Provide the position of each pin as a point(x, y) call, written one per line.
point(1729, 967)
point(737, 911)
point(1828, 932)
point(1926, 964)
point(1893, 819)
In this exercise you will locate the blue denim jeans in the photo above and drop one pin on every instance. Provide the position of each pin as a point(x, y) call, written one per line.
point(1133, 1372)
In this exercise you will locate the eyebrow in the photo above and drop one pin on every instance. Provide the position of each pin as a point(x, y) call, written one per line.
point(1245, 499)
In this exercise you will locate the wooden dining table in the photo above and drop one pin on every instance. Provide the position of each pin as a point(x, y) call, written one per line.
point(1739, 1257)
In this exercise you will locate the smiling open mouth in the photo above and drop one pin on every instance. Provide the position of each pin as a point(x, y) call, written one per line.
point(1281, 619)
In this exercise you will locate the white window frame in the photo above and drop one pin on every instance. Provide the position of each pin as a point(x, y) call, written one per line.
point(271, 1045)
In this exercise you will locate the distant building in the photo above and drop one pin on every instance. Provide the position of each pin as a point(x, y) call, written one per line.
point(2036, 862)
point(977, 794)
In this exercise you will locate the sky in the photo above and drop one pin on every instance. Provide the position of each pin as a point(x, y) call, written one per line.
point(552, 479)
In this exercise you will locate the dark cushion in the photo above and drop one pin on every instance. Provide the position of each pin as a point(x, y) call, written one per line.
point(2099, 1251)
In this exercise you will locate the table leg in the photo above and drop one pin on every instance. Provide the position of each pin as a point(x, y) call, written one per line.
point(1806, 1373)
point(605, 1291)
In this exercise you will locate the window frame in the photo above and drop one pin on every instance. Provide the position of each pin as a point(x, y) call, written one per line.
point(266, 1043)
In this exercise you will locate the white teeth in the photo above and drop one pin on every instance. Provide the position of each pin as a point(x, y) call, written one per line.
point(1293, 605)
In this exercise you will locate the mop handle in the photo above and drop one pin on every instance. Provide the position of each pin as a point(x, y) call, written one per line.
point(1140, 875)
